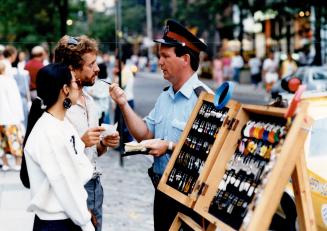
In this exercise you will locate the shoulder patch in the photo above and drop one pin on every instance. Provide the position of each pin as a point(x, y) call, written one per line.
point(166, 88)
point(198, 90)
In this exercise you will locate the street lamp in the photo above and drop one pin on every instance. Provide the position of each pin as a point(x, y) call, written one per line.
point(119, 35)
point(69, 22)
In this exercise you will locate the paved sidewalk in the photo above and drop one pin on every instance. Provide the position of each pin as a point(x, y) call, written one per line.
point(14, 199)
point(127, 204)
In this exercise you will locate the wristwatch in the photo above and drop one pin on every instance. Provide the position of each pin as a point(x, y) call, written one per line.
point(170, 146)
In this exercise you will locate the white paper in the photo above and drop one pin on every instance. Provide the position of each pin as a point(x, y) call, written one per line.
point(110, 129)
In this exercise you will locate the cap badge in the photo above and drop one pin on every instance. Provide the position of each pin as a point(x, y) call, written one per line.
point(166, 30)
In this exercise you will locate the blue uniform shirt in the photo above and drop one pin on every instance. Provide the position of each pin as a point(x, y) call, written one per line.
point(170, 114)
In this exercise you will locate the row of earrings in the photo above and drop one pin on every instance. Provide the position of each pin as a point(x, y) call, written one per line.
point(206, 127)
point(181, 181)
point(239, 183)
point(225, 201)
point(255, 147)
point(209, 111)
point(268, 132)
point(250, 165)
point(197, 144)
point(190, 162)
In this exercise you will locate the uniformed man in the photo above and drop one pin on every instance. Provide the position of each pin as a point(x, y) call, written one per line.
point(162, 128)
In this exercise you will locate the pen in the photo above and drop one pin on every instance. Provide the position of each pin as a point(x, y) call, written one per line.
point(105, 81)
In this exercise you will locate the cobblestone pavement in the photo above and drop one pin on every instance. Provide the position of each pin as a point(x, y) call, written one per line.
point(128, 192)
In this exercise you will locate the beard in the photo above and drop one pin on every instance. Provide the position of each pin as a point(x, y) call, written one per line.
point(88, 82)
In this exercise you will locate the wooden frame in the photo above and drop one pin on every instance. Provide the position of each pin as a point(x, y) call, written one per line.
point(190, 199)
point(265, 206)
point(182, 218)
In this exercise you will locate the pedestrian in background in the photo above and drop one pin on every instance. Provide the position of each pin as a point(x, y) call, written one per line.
point(20, 60)
point(163, 126)
point(23, 80)
point(10, 54)
point(269, 71)
point(288, 66)
point(33, 66)
point(56, 164)
point(11, 119)
point(227, 70)
point(218, 71)
point(80, 53)
point(236, 64)
point(128, 86)
point(255, 69)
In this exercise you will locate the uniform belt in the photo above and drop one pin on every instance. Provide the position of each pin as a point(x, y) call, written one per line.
point(155, 177)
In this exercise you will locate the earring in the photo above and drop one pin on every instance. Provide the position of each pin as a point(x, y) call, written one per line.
point(67, 103)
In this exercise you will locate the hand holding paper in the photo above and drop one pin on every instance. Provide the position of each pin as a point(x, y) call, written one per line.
point(110, 129)
point(110, 137)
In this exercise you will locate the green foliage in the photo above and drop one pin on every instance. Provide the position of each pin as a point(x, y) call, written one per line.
point(133, 19)
point(205, 15)
point(27, 23)
point(103, 29)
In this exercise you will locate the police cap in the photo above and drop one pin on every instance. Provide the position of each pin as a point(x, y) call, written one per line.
point(176, 34)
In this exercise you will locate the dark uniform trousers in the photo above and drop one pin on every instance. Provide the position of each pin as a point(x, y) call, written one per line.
point(165, 209)
point(54, 225)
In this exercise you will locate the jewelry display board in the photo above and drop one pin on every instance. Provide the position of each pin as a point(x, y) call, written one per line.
point(197, 149)
point(255, 163)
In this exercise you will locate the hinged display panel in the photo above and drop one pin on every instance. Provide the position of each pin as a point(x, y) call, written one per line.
point(197, 149)
point(254, 165)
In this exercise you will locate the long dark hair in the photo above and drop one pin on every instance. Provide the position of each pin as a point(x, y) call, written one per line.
point(49, 82)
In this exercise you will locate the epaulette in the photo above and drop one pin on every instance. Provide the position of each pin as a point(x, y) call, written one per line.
point(198, 90)
point(166, 88)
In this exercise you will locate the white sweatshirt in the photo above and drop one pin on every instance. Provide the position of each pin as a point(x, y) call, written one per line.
point(58, 170)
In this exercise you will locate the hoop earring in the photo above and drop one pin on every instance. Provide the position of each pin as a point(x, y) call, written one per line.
point(67, 103)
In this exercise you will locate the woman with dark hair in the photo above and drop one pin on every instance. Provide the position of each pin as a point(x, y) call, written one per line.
point(56, 164)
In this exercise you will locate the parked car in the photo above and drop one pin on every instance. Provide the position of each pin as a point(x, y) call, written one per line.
point(314, 77)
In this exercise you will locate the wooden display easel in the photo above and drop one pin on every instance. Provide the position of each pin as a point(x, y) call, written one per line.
point(317, 102)
point(182, 218)
point(290, 162)
point(189, 200)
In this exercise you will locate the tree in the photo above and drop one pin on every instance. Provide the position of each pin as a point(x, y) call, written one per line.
point(103, 29)
point(28, 29)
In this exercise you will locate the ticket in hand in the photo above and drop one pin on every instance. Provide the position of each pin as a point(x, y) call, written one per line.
point(110, 129)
